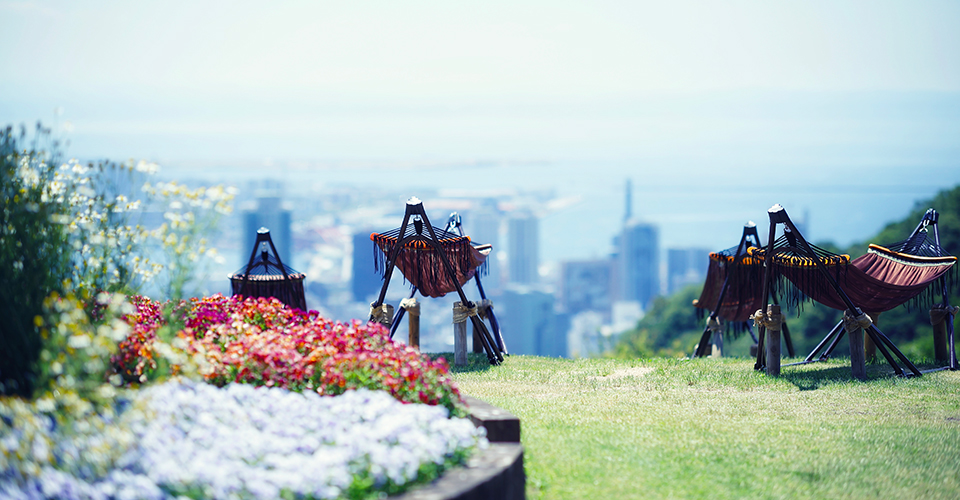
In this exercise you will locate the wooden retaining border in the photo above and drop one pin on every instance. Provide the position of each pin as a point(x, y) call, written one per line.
point(494, 473)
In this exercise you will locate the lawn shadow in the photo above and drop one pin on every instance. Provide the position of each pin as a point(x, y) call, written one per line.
point(476, 362)
point(813, 376)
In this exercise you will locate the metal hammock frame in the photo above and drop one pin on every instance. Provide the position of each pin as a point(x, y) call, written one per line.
point(914, 243)
point(455, 223)
point(415, 213)
point(799, 246)
point(732, 279)
point(290, 290)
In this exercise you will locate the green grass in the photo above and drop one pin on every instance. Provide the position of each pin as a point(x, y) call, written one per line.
point(715, 428)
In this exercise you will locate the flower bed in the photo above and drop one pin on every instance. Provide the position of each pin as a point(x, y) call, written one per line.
point(196, 440)
point(265, 343)
point(295, 406)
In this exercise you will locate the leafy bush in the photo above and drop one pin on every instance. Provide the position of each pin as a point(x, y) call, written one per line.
point(70, 229)
point(35, 256)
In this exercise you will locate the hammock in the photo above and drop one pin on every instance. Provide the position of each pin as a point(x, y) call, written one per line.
point(269, 277)
point(880, 280)
point(421, 264)
point(732, 291)
point(743, 280)
point(435, 262)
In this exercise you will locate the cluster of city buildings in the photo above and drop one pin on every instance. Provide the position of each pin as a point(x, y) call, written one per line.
point(575, 308)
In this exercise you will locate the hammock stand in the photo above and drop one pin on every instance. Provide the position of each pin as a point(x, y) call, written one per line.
point(739, 274)
point(433, 265)
point(269, 277)
point(792, 257)
point(915, 244)
point(455, 223)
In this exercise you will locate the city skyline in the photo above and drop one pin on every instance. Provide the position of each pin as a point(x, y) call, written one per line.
point(715, 111)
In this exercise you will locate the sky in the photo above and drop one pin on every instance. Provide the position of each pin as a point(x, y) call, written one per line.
point(769, 97)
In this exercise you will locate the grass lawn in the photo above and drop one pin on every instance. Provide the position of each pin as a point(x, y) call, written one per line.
point(715, 428)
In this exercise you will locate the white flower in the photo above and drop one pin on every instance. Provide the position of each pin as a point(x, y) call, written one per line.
point(148, 168)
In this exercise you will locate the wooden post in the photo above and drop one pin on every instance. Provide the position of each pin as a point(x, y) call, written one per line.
point(477, 343)
point(717, 350)
point(938, 318)
point(869, 348)
point(413, 322)
point(459, 334)
point(773, 341)
point(858, 360)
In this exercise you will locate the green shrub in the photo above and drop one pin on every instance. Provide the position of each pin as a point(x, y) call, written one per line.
point(35, 256)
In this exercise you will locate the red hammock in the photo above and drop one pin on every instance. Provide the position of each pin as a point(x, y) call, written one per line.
point(423, 268)
point(878, 281)
point(743, 296)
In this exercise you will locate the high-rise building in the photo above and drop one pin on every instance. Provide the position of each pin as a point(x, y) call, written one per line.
point(637, 257)
point(686, 266)
point(638, 263)
point(523, 248)
point(586, 286)
point(364, 280)
point(269, 214)
point(529, 323)
point(482, 224)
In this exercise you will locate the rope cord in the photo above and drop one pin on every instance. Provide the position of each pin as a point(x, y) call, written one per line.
point(853, 323)
point(382, 314)
point(461, 313)
point(411, 305)
point(939, 312)
point(768, 321)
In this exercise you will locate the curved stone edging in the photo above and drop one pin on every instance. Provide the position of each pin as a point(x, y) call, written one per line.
point(494, 473)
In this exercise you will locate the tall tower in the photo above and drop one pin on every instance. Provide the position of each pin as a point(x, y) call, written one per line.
point(638, 257)
point(639, 262)
point(523, 248)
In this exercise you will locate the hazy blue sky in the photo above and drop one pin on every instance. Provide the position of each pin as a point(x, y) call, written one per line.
point(840, 94)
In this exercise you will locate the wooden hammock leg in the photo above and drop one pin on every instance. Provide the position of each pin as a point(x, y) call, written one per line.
point(400, 312)
point(477, 343)
point(783, 329)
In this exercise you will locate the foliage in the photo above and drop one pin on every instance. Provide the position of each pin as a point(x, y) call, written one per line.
point(70, 229)
point(34, 253)
point(670, 328)
point(190, 217)
point(909, 326)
